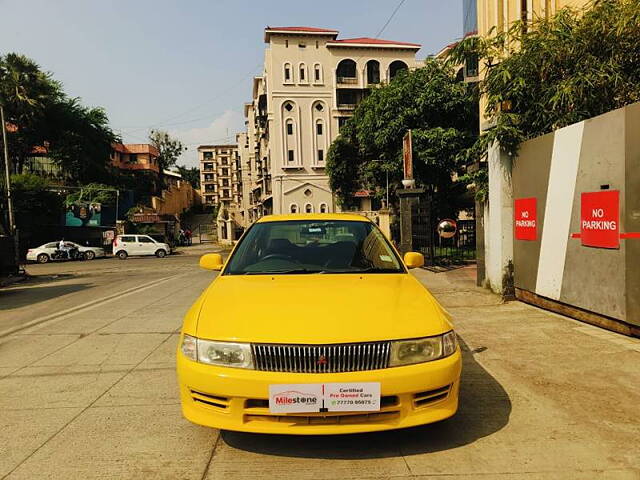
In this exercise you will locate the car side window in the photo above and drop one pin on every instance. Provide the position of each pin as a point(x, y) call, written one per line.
point(128, 239)
point(51, 245)
point(145, 240)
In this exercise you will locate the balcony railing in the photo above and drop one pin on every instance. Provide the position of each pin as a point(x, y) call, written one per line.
point(347, 80)
point(346, 106)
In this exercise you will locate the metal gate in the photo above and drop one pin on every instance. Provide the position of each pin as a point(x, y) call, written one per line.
point(437, 250)
point(206, 233)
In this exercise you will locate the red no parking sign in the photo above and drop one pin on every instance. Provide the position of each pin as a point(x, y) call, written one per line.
point(600, 219)
point(526, 218)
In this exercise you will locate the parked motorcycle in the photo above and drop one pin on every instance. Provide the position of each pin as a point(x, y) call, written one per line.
point(71, 254)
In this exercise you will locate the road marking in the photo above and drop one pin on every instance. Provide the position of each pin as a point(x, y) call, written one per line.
point(87, 305)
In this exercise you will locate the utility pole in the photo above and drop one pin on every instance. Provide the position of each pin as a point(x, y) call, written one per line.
point(13, 231)
point(7, 177)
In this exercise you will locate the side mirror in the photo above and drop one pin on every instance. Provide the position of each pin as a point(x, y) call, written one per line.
point(211, 261)
point(413, 260)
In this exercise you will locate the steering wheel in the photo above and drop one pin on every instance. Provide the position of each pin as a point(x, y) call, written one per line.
point(282, 256)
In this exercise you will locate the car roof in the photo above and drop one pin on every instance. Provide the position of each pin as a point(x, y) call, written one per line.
point(351, 217)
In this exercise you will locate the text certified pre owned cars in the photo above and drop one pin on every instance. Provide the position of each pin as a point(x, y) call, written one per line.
point(315, 326)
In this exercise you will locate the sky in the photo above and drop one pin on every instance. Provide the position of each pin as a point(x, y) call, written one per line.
point(186, 66)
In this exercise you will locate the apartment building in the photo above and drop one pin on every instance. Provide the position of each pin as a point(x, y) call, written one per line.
point(135, 156)
point(311, 83)
point(220, 180)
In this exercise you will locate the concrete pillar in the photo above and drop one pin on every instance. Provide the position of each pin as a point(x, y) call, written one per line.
point(499, 223)
point(384, 219)
point(408, 202)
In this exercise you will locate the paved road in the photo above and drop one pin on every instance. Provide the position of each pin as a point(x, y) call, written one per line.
point(92, 394)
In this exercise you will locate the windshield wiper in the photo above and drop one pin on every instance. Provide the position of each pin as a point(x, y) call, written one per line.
point(375, 270)
point(293, 271)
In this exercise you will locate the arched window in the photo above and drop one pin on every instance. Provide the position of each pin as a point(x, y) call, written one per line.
point(346, 71)
point(287, 73)
point(302, 73)
point(317, 73)
point(308, 208)
point(293, 208)
point(323, 208)
point(290, 135)
point(396, 67)
point(373, 72)
point(320, 134)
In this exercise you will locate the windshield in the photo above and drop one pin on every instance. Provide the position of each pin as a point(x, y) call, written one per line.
point(313, 246)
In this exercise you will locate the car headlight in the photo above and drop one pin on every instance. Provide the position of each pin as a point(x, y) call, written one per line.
point(226, 354)
point(419, 350)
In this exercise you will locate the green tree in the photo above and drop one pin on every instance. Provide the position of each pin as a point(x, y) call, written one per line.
point(441, 113)
point(170, 148)
point(41, 115)
point(93, 193)
point(557, 71)
point(190, 174)
point(34, 202)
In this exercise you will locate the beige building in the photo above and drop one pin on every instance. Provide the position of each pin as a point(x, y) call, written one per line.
point(221, 186)
point(311, 84)
point(220, 178)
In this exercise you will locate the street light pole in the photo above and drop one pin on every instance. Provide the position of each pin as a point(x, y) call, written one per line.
point(7, 176)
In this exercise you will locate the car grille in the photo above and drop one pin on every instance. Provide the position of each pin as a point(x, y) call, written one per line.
point(352, 357)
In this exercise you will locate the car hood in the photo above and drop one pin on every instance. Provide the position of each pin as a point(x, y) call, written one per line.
point(318, 308)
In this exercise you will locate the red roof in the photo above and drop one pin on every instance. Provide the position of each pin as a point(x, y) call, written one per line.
point(38, 149)
point(362, 193)
point(136, 148)
point(302, 29)
point(374, 41)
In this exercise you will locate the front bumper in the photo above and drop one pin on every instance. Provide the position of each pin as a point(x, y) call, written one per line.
point(237, 399)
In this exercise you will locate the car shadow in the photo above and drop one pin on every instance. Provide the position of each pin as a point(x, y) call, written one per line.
point(16, 297)
point(484, 409)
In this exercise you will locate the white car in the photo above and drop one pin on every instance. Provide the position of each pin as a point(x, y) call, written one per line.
point(126, 245)
point(48, 251)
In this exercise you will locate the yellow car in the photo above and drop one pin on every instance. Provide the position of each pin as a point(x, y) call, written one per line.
point(315, 326)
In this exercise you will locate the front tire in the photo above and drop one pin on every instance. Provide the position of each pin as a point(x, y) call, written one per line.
point(122, 255)
point(43, 258)
point(89, 255)
point(161, 253)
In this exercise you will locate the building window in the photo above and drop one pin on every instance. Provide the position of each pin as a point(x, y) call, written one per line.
point(293, 208)
point(302, 68)
point(373, 72)
point(342, 121)
point(319, 107)
point(286, 44)
point(308, 192)
point(317, 73)
point(287, 73)
point(319, 128)
point(208, 155)
point(308, 208)
point(133, 158)
point(396, 67)
point(288, 106)
point(346, 71)
point(320, 155)
point(302, 45)
point(289, 127)
point(290, 156)
point(323, 208)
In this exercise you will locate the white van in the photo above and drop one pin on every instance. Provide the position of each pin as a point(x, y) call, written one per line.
point(125, 245)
